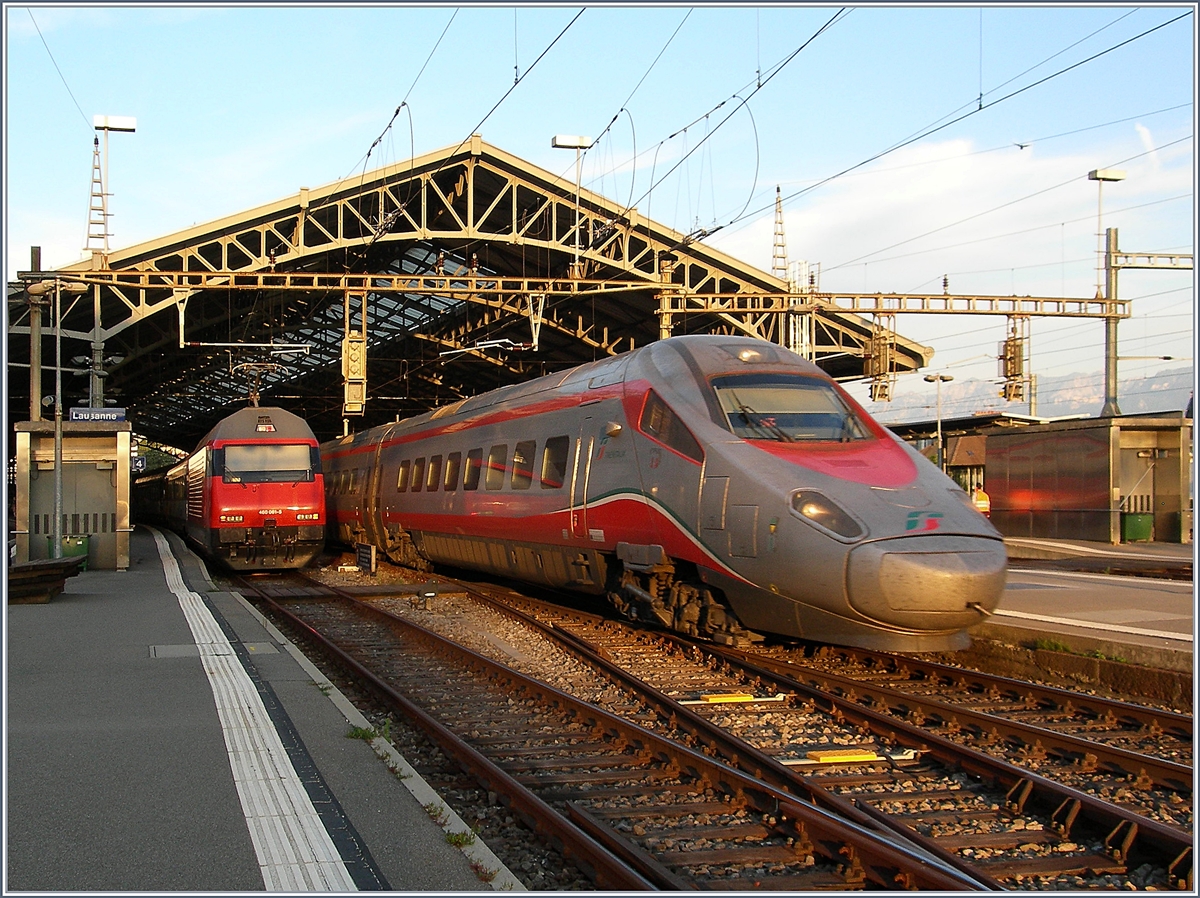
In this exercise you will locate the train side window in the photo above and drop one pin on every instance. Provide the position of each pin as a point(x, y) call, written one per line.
point(434, 474)
point(453, 465)
point(474, 464)
point(496, 465)
point(522, 469)
point(418, 475)
point(660, 423)
point(554, 462)
point(402, 477)
point(353, 487)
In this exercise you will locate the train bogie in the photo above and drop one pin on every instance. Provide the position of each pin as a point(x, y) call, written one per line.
point(720, 486)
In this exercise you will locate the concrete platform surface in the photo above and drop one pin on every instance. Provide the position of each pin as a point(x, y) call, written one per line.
point(1030, 547)
point(163, 736)
point(1133, 603)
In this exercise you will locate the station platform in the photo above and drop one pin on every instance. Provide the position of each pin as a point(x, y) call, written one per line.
point(1173, 556)
point(161, 735)
point(1118, 616)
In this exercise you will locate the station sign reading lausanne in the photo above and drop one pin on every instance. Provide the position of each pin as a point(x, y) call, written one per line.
point(97, 414)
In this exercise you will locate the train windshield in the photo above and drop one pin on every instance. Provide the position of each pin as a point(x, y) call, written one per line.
point(787, 408)
point(267, 463)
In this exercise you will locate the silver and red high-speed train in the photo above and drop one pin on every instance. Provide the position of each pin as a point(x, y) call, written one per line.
point(721, 486)
point(251, 495)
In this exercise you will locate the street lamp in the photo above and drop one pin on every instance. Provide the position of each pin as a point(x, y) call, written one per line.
point(939, 379)
point(1107, 245)
point(40, 289)
point(576, 143)
point(1100, 175)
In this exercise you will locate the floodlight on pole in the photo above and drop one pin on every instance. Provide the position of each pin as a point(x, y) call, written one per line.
point(939, 379)
point(1107, 247)
point(1100, 175)
point(573, 142)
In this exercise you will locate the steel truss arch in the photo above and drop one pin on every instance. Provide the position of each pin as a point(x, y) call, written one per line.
point(448, 247)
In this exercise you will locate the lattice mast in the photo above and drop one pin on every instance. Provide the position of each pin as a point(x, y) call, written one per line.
point(97, 232)
point(779, 261)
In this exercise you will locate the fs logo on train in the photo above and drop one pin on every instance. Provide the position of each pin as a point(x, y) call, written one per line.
point(923, 520)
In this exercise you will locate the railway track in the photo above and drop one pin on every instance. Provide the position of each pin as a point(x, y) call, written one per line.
point(1030, 722)
point(636, 810)
point(1044, 831)
point(1001, 826)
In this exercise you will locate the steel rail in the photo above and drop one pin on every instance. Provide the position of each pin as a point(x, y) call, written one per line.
point(1084, 753)
point(1062, 800)
point(1129, 836)
point(741, 754)
point(883, 860)
point(1151, 719)
point(607, 870)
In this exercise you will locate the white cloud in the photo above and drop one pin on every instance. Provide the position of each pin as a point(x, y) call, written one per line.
point(1147, 142)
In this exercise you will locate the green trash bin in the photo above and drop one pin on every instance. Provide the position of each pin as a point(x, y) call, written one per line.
point(71, 546)
point(1136, 527)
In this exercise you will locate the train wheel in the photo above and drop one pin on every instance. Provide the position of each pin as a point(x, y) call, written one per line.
point(686, 607)
point(401, 550)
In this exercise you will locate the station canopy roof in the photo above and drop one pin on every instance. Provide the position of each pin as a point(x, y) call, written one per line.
point(452, 273)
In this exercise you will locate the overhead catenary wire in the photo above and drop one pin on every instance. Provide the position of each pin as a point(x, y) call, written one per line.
point(1027, 142)
point(1030, 230)
point(774, 70)
point(1022, 74)
point(386, 221)
point(1028, 196)
point(403, 105)
point(934, 129)
point(54, 62)
point(779, 67)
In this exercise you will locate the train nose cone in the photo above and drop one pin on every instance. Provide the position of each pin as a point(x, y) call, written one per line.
point(927, 582)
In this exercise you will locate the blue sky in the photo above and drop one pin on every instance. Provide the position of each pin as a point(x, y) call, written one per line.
point(238, 106)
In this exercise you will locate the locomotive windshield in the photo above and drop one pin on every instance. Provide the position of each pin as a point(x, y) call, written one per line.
point(267, 463)
point(786, 408)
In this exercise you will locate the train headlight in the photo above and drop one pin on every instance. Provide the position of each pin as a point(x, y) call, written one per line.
point(307, 517)
point(231, 519)
point(819, 509)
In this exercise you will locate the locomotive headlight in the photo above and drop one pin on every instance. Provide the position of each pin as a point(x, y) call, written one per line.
point(819, 509)
point(307, 517)
point(231, 519)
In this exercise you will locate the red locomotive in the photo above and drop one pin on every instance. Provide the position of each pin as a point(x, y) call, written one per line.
point(250, 496)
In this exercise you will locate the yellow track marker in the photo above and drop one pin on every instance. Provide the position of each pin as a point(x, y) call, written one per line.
point(721, 697)
point(842, 755)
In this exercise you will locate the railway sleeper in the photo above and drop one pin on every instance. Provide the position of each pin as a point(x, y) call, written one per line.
point(694, 808)
point(808, 881)
point(595, 777)
point(746, 854)
point(727, 832)
point(572, 762)
point(1002, 841)
point(662, 789)
point(553, 746)
point(1056, 865)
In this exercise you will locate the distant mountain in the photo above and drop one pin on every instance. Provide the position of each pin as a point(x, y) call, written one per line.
point(1057, 396)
